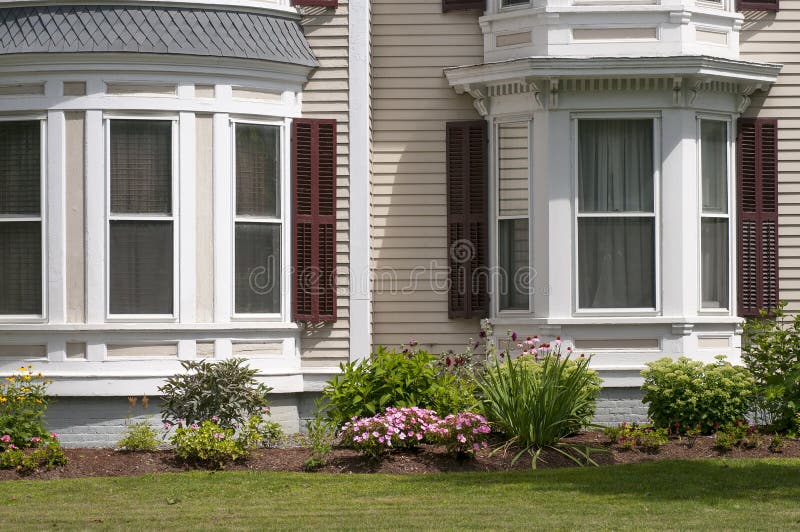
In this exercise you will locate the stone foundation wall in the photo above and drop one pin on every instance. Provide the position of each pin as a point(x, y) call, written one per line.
point(101, 421)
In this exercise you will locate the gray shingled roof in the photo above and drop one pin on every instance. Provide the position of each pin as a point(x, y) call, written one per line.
point(156, 30)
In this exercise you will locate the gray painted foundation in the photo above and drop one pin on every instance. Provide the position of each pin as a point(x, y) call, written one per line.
point(101, 421)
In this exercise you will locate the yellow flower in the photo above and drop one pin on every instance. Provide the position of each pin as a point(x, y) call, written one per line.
point(10, 379)
point(26, 377)
point(19, 398)
point(3, 399)
point(39, 375)
point(22, 368)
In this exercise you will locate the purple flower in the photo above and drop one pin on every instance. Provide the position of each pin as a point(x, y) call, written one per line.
point(513, 337)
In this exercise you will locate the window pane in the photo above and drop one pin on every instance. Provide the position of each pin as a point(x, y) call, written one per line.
point(616, 263)
point(20, 168)
point(141, 167)
point(513, 261)
point(257, 170)
point(615, 165)
point(714, 262)
point(21, 268)
point(714, 157)
point(258, 267)
point(514, 173)
point(141, 268)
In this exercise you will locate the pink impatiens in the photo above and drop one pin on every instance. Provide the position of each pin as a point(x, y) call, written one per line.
point(408, 427)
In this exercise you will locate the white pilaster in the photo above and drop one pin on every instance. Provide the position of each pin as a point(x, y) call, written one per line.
point(56, 218)
point(223, 216)
point(95, 218)
point(187, 218)
point(359, 73)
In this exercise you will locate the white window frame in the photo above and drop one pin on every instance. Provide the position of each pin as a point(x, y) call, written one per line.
point(495, 217)
point(730, 216)
point(173, 217)
point(41, 218)
point(655, 116)
point(282, 220)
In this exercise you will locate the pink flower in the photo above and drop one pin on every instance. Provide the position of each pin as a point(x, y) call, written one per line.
point(6, 438)
point(54, 435)
point(219, 435)
point(215, 419)
point(36, 439)
point(194, 426)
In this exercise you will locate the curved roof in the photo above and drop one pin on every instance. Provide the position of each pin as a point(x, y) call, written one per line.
point(153, 30)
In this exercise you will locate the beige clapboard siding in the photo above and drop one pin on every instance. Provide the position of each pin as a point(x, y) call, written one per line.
point(772, 37)
point(412, 42)
point(326, 96)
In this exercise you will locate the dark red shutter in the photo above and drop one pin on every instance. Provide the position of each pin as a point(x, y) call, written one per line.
point(314, 227)
point(467, 219)
point(758, 5)
point(462, 5)
point(757, 199)
point(320, 3)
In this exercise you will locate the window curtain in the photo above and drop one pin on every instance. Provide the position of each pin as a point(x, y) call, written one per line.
point(615, 175)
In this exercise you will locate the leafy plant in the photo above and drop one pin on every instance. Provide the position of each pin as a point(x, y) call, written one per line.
point(737, 434)
point(394, 379)
point(644, 437)
point(538, 407)
point(139, 437)
point(226, 389)
point(321, 436)
point(207, 444)
point(23, 402)
point(41, 452)
point(686, 393)
point(776, 443)
point(771, 350)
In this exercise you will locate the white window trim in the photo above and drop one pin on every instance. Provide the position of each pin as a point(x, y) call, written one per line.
point(42, 219)
point(283, 219)
point(494, 213)
point(655, 116)
point(730, 216)
point(173, 217)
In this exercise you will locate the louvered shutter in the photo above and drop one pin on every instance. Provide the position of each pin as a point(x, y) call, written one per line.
point(467, 223)
point(314, 227)
point(758, 5)
point(320, 3)
point(462, 5)
point(757, 146)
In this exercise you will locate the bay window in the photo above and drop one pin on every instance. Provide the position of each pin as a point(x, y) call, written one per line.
point(141, 221)
point(714, 217)
point(513, 170)
point(616, 217)
point(258, 223)
point(21, 218)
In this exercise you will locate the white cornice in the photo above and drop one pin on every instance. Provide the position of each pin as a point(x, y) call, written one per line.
point(93, 62)
point(612, 67)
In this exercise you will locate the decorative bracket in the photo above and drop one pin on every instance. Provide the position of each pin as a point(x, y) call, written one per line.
point(553, 93)
point(697, 86)
point(677, 86)
point(744, 96)
point(480, 96)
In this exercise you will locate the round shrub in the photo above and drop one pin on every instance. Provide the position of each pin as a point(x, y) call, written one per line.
point(687, 394)
point(394, 379)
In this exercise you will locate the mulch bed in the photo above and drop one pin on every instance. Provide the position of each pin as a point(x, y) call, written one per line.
point(426, 459)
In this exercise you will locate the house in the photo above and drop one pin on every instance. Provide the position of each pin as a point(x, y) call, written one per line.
point(297, 181)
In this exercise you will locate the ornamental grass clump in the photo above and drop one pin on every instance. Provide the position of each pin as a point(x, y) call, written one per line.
point(538, 399)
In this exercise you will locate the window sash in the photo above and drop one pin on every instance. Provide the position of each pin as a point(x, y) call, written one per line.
point(586, 213)
point(164, 214)
point(25, 307)
point(247, 216)
point(715, 262)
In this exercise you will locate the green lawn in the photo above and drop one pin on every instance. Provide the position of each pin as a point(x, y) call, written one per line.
point(747, 494)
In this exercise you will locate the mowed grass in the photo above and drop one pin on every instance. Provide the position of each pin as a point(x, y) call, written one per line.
point(715, 494)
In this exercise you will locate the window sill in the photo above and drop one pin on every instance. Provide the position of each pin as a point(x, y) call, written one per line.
point(155, 326)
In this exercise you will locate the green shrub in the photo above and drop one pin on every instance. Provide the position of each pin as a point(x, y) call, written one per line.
point(23, 401)
point(771, 350)
point(226, 389)
point(644, 437)
point(139, 437)
point(685, 393)
point(737, 434)
point(537, 406)
point(47, 453)
point(391, 378)
point(207, 444)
